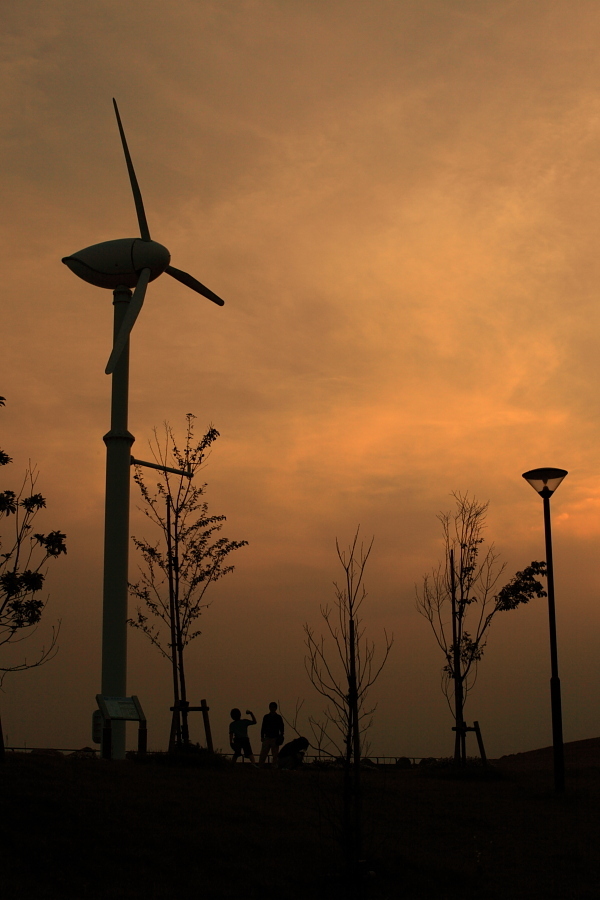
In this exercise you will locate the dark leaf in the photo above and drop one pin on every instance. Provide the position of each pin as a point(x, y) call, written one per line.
point(36, 501)
point(8, 502)
point(53, 543)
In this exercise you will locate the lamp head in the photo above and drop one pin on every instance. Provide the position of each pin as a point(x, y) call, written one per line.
point(545, 480)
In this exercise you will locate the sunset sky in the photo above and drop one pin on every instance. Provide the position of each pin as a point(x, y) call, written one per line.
point(399, 203)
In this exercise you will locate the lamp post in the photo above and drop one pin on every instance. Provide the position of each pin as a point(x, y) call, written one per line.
point(545, 481)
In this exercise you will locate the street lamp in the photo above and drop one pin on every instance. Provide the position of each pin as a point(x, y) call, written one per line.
point(545, 481)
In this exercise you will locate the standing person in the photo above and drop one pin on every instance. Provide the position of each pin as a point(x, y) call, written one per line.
point(238, 735)
point(271, 735)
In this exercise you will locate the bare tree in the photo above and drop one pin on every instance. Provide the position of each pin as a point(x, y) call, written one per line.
point(342, 669)
point(178, 567)
point(458, 600)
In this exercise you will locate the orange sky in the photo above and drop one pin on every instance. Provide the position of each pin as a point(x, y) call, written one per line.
point(399, 203)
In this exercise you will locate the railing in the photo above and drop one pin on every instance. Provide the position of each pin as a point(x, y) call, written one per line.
point(375, 760)
point(309, 757)
point(50, 750)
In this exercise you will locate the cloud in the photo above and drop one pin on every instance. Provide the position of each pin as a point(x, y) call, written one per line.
point(398, 203)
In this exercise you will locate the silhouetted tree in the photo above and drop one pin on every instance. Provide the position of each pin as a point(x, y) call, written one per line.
point(182, 563)
point(22, 571)
point(22, 567)
point(458, 600)
point(342, 671)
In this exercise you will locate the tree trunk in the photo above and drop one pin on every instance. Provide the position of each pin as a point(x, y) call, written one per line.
point(352, 792)
point(459, 739)
point(175, 736)
point(185, 734)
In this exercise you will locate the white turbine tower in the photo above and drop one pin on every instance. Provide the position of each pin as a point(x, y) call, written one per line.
point(120, 265)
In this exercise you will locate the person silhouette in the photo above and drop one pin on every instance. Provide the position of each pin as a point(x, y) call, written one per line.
point(238, 735)
point(292, 754)
point(271, 735)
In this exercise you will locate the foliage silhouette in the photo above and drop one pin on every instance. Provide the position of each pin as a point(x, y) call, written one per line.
point(22, 568)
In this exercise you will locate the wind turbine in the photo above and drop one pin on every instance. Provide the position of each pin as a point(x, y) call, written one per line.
point(120, 265)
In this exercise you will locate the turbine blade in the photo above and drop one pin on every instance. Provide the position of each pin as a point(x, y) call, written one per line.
point(195, 285)
point(133, 311)
point(137, 194)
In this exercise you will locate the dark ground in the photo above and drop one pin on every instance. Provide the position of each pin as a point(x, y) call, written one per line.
point(86, 829)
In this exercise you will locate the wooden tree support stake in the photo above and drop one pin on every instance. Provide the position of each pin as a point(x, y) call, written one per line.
point(204, 709)
point(477, 731)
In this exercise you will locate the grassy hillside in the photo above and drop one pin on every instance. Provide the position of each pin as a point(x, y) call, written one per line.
point(85, 829)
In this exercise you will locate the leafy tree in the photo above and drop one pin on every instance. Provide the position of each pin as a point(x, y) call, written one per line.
point(343, 671)
point(178, 567)
point(23, 568)
point(458, 600)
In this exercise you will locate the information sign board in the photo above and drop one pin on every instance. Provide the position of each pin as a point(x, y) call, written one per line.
point(126, 709)
point(121, 708)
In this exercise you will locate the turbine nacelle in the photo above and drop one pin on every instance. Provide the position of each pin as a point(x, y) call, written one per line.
point(114, 263)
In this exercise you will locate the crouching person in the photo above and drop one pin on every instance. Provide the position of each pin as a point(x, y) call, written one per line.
point(291, 755)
